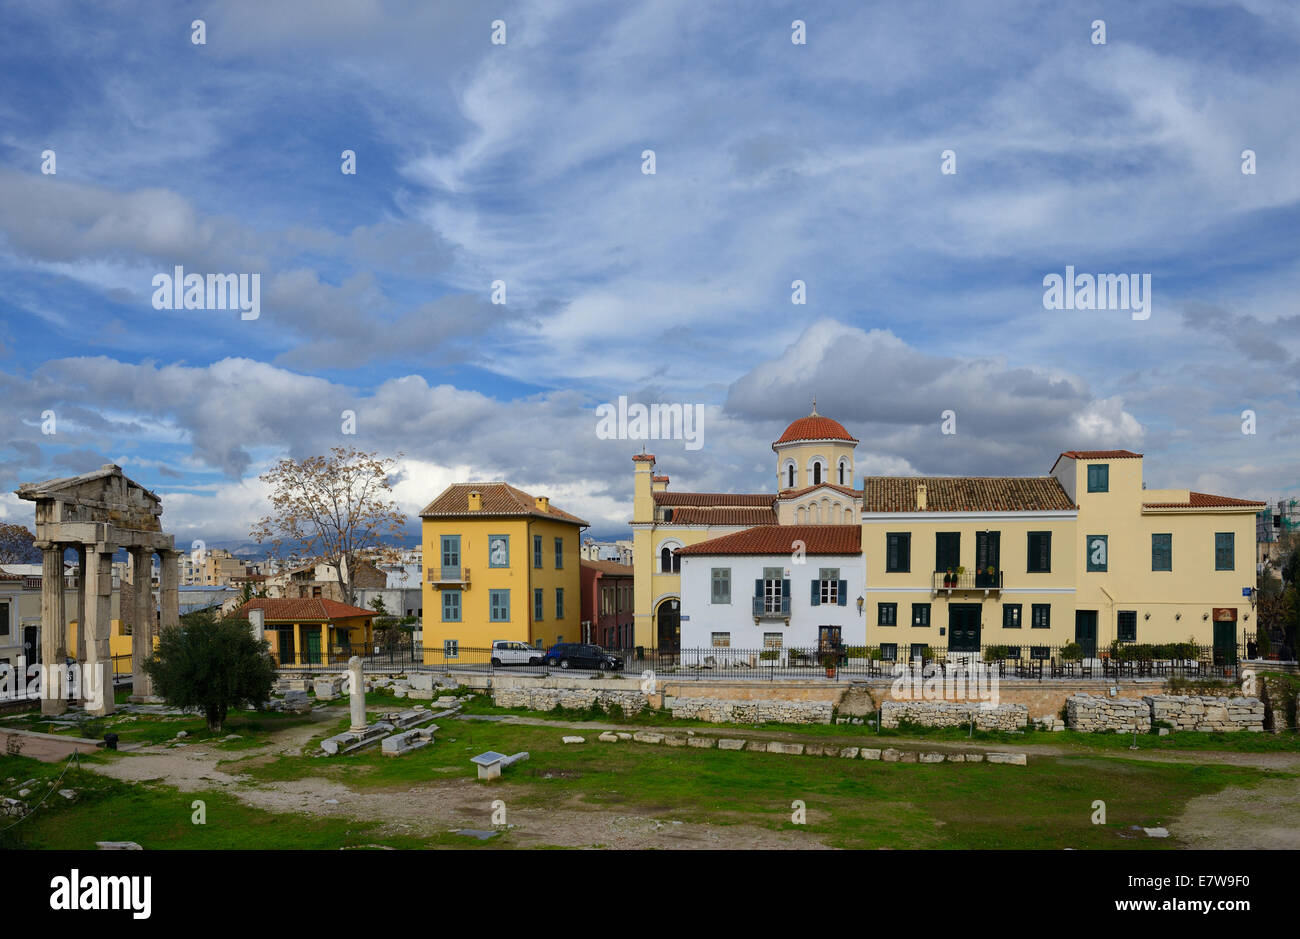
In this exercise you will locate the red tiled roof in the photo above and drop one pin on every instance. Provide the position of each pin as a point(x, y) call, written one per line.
point(659, 479)
point(692, 515)
point(714, 499)
point(795, 493)
point(5, 575)
point(815, 427)
point(609, 567)
point(302, 609)
point(780, 539)
point(644, 458)
point(1101, 455)
point(498, 499)
point(1202, 500)
point(965, 494)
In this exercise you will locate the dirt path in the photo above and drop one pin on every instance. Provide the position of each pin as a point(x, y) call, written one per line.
point(1263, 818)
point(431, 808)
point(43, 748)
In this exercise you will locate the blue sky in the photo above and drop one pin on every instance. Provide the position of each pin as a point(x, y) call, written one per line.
point(522, 163)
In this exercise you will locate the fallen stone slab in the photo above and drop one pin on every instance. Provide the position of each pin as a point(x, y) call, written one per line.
point(849, 753)
point(1157, 832)
point(908, 756)
point(828, 750)
point(931, 757)
point(956, 758)
point(68, 794)
point(118, 846)
point(890, 755)
point(726, 743)
point(759, 745)
point(608, 738)
point(643, 737)
point(1011, 759)
point(704, 743)
point(573, 740)
point(974, 757)
point(623, 735)
point(674, 741)
point(870, 754)
point(404, 743)
point(793, 749)
point(349, 741)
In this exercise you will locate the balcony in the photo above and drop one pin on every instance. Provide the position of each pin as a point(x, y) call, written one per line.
point(771, 608)
point(968, 581)
point(449, 576)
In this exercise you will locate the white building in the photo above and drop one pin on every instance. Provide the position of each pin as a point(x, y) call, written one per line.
point(773, 587)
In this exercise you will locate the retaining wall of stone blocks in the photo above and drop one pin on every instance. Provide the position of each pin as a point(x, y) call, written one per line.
point(1096, 714)
point(950, 714)
point(548, 699)
point(1099, 715)
point(720, 711)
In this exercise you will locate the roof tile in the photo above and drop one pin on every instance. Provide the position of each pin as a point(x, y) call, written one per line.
point(780, 539)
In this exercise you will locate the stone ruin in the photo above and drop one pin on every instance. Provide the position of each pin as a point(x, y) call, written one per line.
point(96, 514)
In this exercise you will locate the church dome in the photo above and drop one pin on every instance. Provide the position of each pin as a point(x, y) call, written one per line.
point(815, 427)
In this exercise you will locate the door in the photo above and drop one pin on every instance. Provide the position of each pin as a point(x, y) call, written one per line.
point(964, 627)
point(32, 644)
point(1085, 632)
point(828, 641)
point(1225, 643)
point(988, 554)
point(285, 646)
point(311, 654)
point(668, 621)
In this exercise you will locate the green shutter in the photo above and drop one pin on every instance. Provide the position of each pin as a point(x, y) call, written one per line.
point(844, 591)
point(816, 593)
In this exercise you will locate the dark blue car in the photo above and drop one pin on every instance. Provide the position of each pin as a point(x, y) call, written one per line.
point(582, 655)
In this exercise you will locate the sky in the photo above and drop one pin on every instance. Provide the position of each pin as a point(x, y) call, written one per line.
point(523, 164)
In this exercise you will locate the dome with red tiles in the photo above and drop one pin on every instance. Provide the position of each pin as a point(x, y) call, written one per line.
point(816, 427)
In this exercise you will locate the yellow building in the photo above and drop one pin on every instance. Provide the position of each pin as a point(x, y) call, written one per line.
point(20, 619)
point(499, 564)
point(1031, 564)
point(302, 630)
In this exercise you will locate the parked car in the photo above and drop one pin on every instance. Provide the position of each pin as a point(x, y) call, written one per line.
point(506, 652)
point(582, 655)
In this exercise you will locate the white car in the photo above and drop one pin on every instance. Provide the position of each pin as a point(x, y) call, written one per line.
point(507, 652)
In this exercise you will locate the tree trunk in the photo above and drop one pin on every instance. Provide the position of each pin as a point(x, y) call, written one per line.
point(216, 717)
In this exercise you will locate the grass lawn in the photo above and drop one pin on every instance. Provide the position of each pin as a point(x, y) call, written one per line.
point(850, 803)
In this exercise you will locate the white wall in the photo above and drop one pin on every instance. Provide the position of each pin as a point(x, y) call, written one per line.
point(737, 617)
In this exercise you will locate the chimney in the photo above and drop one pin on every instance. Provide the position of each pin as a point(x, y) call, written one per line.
point(920, 497)
point(475, 501)
point(543, 503)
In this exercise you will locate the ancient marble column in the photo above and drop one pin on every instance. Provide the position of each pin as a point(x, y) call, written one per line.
point(81, 603)
point(54, 625)
point(97, 675)
point(141, 621)
point(357, 688)
point(169, 605)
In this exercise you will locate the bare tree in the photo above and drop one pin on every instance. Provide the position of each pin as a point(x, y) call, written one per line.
point(335, 508)
point(16, 545)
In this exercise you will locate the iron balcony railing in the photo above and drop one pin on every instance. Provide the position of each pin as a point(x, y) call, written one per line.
point(448, 575)
point(968, 580)
point(771, 607)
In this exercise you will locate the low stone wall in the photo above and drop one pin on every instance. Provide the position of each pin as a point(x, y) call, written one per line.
point(548, 699)
point(1207, 714)
point(720, 711)
point(1096, 714)
point(948, 714)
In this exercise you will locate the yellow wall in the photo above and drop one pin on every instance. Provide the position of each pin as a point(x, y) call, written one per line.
point(1019, 586)
point(476, 630)
point(1179, 602)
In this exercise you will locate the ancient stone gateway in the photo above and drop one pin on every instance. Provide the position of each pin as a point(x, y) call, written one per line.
point(97, 513)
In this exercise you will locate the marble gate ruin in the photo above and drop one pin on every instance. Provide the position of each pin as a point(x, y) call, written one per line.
point(96, 514)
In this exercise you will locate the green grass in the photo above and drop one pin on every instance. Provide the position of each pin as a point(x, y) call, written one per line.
point(851, 804)
point(160, 816)
point(254, 727)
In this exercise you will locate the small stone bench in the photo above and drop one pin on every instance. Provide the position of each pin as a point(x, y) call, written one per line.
point(491, 763)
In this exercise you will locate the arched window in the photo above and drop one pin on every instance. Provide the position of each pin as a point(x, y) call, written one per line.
point(841, 474)
point(817, 474)
point(790, 475)
point(669, 563)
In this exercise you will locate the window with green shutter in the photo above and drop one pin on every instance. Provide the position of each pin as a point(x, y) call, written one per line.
point(920, 614)
point(559, 603)
point(887, 614)
point(720, 591)
point(539, 601)
point(1042, 616)
point(947, 550)
point(898, 552)
point(1099, 477)
point(1223, 551)
point(451, 606)
point(1097, 548)
point(1011, 615)
point(537, 551)
point(559, 554)
point(1040, 552)
point(499, 606)
point(1162, 552)
point(1126, 626)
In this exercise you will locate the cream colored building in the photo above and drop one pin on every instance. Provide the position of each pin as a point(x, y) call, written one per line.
point(1082, 555)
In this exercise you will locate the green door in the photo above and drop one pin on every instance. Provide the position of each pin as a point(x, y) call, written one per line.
point(1225, 643)
point(1085, 632)
point(963, 627)
point(311, 636)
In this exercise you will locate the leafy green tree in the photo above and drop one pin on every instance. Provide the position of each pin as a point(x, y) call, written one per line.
point(213, 665)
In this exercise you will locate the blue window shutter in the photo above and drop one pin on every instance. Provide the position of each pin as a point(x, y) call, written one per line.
point(816, 593)
point(844, 593)
point(758, 589)
point(785, 588)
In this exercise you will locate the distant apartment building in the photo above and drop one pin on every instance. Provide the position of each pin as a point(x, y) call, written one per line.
point(618, 551)
point(607, 603)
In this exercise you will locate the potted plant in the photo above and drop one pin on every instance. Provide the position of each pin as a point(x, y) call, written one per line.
point(829, 660)
point(949, 579)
